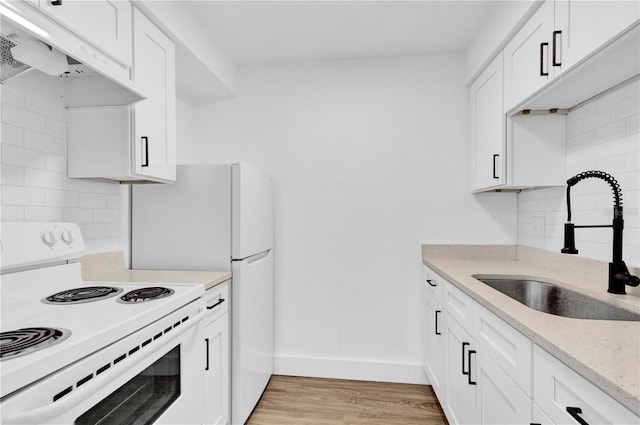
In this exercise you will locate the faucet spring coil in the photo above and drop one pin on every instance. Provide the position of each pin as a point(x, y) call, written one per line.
point(615, 186)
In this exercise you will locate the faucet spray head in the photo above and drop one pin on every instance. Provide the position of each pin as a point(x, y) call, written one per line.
point(569, 239)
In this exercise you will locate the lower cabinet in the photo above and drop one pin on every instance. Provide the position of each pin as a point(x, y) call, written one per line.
point(434, 352)
point(478, 391)
point(216, 365)
point(486, 372)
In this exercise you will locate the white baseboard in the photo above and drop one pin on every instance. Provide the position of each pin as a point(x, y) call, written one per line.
point(405, 373)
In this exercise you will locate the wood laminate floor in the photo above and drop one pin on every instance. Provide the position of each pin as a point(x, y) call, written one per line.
point(290, 400)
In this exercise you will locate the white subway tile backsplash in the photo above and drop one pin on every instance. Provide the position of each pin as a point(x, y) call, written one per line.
point(21, 117)
point(12, 175)
point(61, 198)
point(12, 135)
point(597, 120)
point(44, 108)
point(92, 200)
point(601, 135)
point(625, 109)
point(42, 214)
point(56, 128)
point(20, 195)
point(57, 163)
point(44, 142)
point(11, 96)
point(78, 215)
point(35, 186)
point(22, 157)
point(12, 213)
point(43, 178)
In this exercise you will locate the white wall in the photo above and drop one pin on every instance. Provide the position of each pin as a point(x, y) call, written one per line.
point(601, 135)
point(34, 182)
point(369, 161)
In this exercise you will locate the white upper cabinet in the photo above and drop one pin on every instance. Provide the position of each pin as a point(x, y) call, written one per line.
point(106, 24)
point(527, 65)
point(131, 143)
point(582, 27)
point(154, 124)
point(584, 41)
point(488, 128)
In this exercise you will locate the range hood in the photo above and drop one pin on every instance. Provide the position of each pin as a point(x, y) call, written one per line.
point(39, 56)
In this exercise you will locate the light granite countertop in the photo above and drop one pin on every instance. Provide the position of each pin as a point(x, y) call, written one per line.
point(109, 267)
point(607, 353)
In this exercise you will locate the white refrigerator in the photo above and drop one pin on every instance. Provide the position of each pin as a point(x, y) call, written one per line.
point(218, 217)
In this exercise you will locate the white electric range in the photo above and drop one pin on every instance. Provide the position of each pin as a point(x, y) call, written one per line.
point(110, 352)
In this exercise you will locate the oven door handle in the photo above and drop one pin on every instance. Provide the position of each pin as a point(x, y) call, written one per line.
point(44, 414)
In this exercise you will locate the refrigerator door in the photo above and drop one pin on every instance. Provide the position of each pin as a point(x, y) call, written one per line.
point(252, 209)
point(185, 225)
point(252, 334)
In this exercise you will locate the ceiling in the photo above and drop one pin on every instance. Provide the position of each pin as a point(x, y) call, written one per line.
point(255, 32)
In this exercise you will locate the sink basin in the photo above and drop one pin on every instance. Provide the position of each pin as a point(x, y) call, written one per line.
point(553, 299)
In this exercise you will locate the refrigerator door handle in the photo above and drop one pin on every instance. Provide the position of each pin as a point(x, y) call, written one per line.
point(255, 258)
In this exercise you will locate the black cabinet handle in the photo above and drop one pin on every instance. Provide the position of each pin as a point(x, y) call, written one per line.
point(220, 301)
point(206, 340)
point(534, 423)
point(464, 344)
point(437, 332)
point(430, 282)
point(542, 71)
point(469, 353)
point(555, 60)
point(56, 3)
point(495, 156)
point(575, 414)
point(145, 145)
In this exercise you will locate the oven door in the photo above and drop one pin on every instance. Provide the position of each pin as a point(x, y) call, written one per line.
point(157, 382)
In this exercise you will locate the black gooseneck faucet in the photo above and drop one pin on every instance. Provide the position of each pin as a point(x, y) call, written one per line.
point(619, 275)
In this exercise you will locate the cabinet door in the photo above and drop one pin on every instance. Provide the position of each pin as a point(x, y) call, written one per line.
point(461, 396)
point(526, 57)
point(104, 23)
point(154, 143)
point(488, 128)
point(501, 400)
point(585, 26)
point(217, 371)
point(434, 350)
point(565, 396)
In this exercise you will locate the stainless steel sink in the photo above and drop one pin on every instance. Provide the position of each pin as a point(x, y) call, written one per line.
point(553, 299)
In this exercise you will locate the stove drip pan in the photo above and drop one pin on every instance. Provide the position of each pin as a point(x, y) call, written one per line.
point(145, 294)
point(82, 295)
point(28, 340)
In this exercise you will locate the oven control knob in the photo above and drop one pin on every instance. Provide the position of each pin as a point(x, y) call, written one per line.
point(49, 238)
point(67, 236)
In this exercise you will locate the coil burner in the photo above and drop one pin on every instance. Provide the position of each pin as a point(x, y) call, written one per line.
point(145, 294)
point(82, 295)
point(27, 340)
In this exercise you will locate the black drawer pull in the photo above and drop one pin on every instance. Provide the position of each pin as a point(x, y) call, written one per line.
point(464, 344)
point(555, 60)
point(145, 142)
point(437, 331)
point(575, 414)
point(56, 3)
point(543, 73)
point(430, 282)
point(206, 340)
point(495, 156)
point(220, 301)
point(470, 352)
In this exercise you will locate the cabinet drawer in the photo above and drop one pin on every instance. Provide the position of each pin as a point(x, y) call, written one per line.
point(459, 306)
point(217, 301)
point(433, 283)
point(557, 387)
point(511, 350)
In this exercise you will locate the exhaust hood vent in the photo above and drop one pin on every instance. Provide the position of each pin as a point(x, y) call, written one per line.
point(10, 67)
